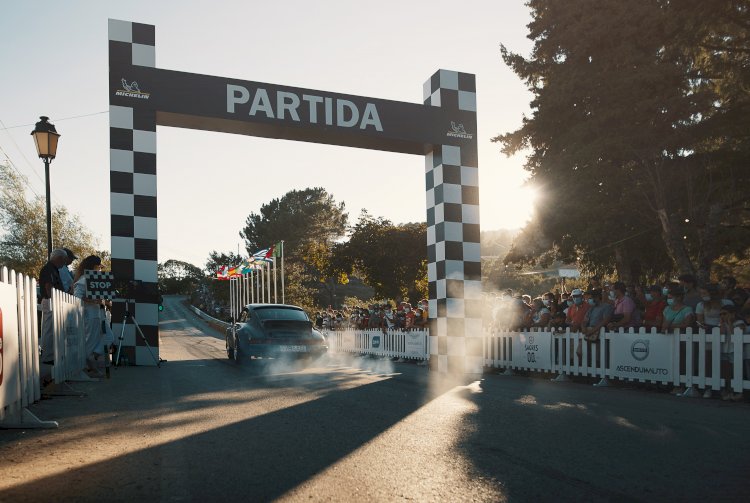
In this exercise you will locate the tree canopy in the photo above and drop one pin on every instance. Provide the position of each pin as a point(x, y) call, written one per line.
point(390, 258)
point(638, 135)
point(23, 240)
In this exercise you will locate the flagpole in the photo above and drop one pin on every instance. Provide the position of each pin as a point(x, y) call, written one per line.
point(275, 295)
point(283, 300)
point(268, 283)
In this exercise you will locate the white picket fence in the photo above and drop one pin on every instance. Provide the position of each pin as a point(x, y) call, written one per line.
point(689, 359)
point(69, 338)
point(19, 352)
point(389, 343)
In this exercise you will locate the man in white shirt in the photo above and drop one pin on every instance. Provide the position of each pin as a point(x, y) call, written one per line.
point(65, 275)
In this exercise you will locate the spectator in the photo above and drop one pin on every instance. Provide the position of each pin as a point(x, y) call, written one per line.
point(92, 321)
point(419, 321)
point(598, 315)
point(389, 317)
point(729, 323)
point(708, 310)
point(691, 295)
point(653, 316)
point(540, 315)
point(376, 319)
point(727, 285)
point(677, 316)
point(576, 312)
point(49, 278)
point(625, 314)
point(65, 275)
point(408, 317)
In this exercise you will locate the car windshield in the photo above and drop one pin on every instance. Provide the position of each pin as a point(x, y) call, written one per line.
point(280, 313)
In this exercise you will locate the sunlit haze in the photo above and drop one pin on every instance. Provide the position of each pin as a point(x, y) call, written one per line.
point(209, 182)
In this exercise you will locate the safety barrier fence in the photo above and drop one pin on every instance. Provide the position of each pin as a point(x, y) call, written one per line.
point(19, 352)
point(682, 359)
point(410, 344)
point(206, 317)
point(69, 338)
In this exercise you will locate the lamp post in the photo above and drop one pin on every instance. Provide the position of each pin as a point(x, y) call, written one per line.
point(45, 137)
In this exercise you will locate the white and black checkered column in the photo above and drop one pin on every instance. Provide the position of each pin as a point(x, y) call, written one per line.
point(453, 254)
point(133, 188)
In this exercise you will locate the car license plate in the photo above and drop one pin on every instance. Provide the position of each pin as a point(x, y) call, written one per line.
point(294, 349)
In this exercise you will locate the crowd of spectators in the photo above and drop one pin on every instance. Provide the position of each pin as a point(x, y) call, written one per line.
point(671, 306)
point(665, 308)
point(375, 316)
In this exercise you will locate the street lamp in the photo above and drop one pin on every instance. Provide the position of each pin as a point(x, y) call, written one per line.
point(45, 137)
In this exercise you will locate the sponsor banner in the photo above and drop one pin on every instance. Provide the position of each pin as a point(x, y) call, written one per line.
point(375, 341)
point(415, 344)
point(261, 109)
point(8, 345)
point(641, 356)
point(532, 350)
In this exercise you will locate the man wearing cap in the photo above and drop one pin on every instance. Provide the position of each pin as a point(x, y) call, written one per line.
point(65, 275)
point(577, 312)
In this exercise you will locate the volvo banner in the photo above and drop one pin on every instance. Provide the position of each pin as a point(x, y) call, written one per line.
point(641, 356)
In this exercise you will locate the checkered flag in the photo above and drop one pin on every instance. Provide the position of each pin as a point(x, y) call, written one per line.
point(100, 285)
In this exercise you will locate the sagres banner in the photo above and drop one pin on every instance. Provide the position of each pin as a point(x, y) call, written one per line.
point(532, 350)
point(641, 356)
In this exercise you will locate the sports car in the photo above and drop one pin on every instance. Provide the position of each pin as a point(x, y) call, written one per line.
point(273, 331)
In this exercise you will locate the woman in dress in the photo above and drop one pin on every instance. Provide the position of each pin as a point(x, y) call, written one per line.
point(91, 312)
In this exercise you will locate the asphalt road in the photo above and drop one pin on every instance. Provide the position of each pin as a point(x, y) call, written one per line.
point(202, 428)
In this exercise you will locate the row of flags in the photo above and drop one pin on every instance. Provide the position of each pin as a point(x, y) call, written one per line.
point(256, 262)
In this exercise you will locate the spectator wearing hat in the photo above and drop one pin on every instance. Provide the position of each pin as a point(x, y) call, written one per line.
point(577, 311)
point(653, 316)
point(65, 275)
point(707, 312)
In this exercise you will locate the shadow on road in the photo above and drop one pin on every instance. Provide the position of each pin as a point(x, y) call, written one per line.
point(544, 441)
point(259, 458)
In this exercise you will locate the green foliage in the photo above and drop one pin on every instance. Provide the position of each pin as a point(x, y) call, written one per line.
point(638, 136)
point(23, 242)
point(297, 218)
point(390, 258)
point(177, 277)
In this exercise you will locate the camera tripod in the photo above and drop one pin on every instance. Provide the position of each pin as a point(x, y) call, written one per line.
point(129, 317)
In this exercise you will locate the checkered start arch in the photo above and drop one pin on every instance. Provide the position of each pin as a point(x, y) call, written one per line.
point(442, 129)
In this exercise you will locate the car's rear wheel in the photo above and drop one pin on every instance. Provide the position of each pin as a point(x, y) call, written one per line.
point(230, 351)
point(236, 352)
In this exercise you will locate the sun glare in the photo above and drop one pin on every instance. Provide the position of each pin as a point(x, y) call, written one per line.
point(507, 207)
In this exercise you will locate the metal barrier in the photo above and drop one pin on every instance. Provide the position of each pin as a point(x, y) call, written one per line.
point(688, 359)
point(209, 318)
point(19, 352)
point(389, 343)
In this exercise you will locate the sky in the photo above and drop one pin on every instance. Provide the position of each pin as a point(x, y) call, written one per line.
point(54, 62)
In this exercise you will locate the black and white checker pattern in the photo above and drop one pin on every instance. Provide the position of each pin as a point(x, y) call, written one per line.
point(99, 285)
point(133, 187)
point(453, 254)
